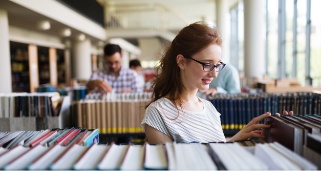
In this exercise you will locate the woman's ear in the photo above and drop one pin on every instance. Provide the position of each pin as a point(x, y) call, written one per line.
point(180, 61)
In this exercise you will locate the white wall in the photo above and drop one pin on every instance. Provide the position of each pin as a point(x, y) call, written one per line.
point(151, 49)
point(31, 37)
point(65, 15)
point(81, 59)
point(5, 65)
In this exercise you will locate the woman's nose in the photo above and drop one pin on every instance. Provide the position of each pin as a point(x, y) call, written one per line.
point(213, 73)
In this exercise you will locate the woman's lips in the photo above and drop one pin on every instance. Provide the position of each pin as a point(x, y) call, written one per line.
point(206, 81)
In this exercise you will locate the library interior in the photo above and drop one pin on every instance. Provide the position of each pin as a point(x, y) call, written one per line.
point(160, 85)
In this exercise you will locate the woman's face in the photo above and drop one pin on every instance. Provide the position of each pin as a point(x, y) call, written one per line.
point(193, 75)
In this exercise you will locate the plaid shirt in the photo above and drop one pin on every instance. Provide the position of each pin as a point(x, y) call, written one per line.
point(125, 80)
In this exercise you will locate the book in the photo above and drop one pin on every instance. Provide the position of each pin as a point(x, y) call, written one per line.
point(155, 157)
point(91, 158)
point(278, 157)
point(24, 160)
point(192, 156)
point(67, 159)
point(113, 157)
point(134, 158)
point(44, 161)
point(289, 135)
point(241, 157)
point(10, 155)
point(314, 142)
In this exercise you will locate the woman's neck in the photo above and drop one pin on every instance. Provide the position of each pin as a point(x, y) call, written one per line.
point(189, 96)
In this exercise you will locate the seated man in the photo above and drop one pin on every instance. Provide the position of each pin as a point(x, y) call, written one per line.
point(114, 77)
point(136, 66)
point(227, 82)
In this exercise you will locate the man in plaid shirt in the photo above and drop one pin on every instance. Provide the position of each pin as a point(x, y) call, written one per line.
point(114, 77)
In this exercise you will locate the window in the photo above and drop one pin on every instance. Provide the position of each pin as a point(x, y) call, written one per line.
point(300, 61)
point(237, 36)
point(315, 42)
point(272, 38)
point(301, 40)
point(289, 39)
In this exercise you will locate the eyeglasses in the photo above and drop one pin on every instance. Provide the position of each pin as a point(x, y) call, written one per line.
point(208, 67)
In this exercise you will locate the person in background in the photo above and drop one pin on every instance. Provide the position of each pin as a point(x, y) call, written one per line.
point(226, 82)
point(114, 77)
point(136, 66)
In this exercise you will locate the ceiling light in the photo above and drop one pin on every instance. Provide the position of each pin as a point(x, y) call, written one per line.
point(44, 25)
point(81, 37)
point(66, 32)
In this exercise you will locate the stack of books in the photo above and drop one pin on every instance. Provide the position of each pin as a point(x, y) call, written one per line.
point(79, 93)
point(113, 113)
point(301, 134)
point(29, 104)
point(238, 110)
point(33, 111)
point(39, 149)
point(171, 156)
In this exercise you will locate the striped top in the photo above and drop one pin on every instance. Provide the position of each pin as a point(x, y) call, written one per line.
point(204, 126)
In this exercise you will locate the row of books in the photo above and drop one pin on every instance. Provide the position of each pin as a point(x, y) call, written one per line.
point(238, 110)
point(171, 156)
point(295, 132)
point(49, 138)
point(29, 123)
point(300, 134)
point(134, 96)
point(109, 116)
point(29, 105)
point(32, 149)
point(33, 123)
point(79, 93)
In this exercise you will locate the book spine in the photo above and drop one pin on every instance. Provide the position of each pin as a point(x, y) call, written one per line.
point(231, 108)
point(227, 124)
point(237, 116)
point(261, 107)
point(248, 110)
point(310, 100)
point(243, 113)
point(305, 105)
point(281, 103)
point(269, 104)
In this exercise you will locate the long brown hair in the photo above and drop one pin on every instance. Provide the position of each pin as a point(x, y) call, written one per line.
point(189, 41)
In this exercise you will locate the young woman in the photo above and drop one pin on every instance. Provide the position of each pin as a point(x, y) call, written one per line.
point(191, 62)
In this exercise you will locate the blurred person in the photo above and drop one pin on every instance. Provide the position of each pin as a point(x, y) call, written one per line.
point(226, 82)
point(114, 77)
point(136, 66)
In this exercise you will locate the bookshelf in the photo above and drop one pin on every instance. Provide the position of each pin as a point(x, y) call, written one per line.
point(61, 67)
point(122, 135)
point(291, 89)
point(19, 67)
point(37, 65)
point(43, 65)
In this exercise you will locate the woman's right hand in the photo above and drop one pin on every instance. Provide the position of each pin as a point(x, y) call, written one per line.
point(250, 130)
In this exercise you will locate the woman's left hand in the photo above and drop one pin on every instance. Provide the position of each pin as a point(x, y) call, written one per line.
point(250, 130)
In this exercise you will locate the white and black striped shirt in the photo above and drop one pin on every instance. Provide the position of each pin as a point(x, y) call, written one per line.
point(204, 126)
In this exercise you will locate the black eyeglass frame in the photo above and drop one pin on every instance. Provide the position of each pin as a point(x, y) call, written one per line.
point(207, 63)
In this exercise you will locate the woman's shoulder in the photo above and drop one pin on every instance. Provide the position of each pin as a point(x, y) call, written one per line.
point(162, 102)
point(161, 105)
